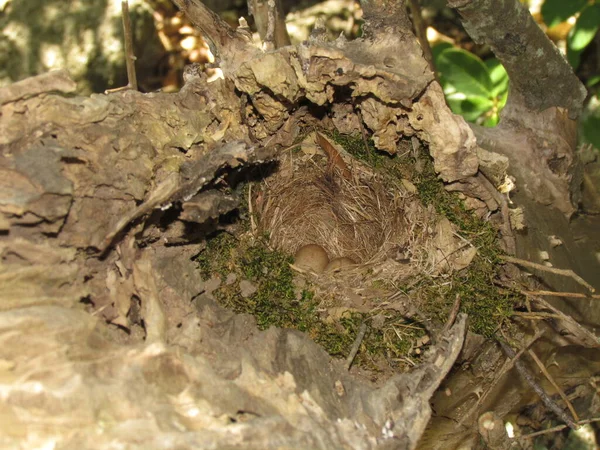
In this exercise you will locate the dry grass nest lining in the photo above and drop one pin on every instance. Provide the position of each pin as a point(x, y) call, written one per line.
point(365, 217)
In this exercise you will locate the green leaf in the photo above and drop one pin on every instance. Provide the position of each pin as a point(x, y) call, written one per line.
point(498, 76)
point(557, 11)
point(591, 130)
point(574, 57)
point(465, 71)
point(593, 81)
point(491, 121)
point(585, 28)
point(439, 48)
point(469, 107)
point(502, 100)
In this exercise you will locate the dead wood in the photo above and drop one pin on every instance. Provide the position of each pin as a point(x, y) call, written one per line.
point(89, 183)
point(525, 373)
point(97, 191)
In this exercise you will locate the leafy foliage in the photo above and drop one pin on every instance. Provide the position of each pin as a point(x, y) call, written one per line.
point(475, 89)
point(557, 11)
point(582, 33)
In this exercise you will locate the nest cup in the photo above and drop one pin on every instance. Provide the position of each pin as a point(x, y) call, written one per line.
point(365, 217)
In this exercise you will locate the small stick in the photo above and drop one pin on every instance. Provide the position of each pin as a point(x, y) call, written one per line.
point(564, 272)
point(359, 338)
point(506, 230)
point(421, 33)
point(269, 41)
point(562, 294)
point(129, 55)
point(536, 315)
point(251, 210)
point(508, 364)
point(334, 157)
point(542, 367)
point(452, 316)
point(546, 400)
point(557, 428)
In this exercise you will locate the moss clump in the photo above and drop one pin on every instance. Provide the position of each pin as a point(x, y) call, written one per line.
point(366, 152)
point(278, 302)
point(216, 258)
point(486, 304)
point(355, 145)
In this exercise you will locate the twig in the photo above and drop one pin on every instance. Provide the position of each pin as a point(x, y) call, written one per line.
point(542, 367)
point(564, 272)
point(359, 338)
point(546, 400)
point(334, 157)
point(562, 294)
point(251, 211)
point(421, 32)
point(506, 230)
point(129, 55)
point(452, 316)
point(229, 47)
point(508, 364)
point(585, 337)
point(557, 428)
point(269, 40)
point(536, 315)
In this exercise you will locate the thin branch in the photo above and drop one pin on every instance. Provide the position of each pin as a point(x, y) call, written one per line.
point(542, 367)
point(452, 316)
point(557, 428)
point(506, 230)
point(536, 315)
point(359, 338)
point(421, 32)
point(253, 226)
point(269, 40)
point(546, 400)
point(129, 54)
point(508, 364)
point(564, 272)
point(584, 337)
point(538, 72)
point(229, 47)
point(562, 294)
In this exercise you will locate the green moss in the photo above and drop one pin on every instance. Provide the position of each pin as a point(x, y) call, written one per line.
point(277, 302)
point(487, 305)
point(216, 258)
point(366, 152)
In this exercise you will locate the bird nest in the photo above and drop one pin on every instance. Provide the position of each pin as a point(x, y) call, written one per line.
point(322, 195)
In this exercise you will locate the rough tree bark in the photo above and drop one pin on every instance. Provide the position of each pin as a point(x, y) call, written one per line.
point(153, 166)
point(538, 134)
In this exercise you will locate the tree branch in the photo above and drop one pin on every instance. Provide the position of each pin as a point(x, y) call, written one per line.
point(382, 14)
point(228, 46)
point(537, 70)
